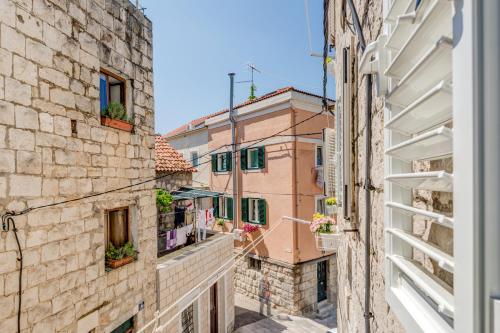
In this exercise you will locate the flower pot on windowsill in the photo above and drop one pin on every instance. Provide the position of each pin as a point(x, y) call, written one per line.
point(115, 263)
point(117, 123)
point(331, 209)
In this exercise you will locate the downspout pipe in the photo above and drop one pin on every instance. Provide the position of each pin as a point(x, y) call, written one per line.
point(232, 119)
point(367, 185)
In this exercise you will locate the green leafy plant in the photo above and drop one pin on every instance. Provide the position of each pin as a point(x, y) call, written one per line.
point(220, 222)
point(332, 201)
point(164, 201)
point(116, 110)
point(126, 250)
point(252, 96)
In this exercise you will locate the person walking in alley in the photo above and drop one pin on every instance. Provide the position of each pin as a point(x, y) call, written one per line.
point(265, 294)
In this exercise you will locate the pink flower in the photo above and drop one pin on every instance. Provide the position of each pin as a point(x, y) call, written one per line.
point(249, 228)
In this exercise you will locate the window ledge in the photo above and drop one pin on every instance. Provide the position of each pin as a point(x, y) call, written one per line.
point(222, 172)
point(116, 123)
point(115, 264)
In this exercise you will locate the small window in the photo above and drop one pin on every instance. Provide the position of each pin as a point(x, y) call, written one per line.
point(319, 156)
point(320, 205)
point(254, 210)
point(222, 162)
point(194, 158)
point(112, 89)
point(253, 158)
point(223, 207)
point(255, 264)
point(126, 327)
point(118, 233)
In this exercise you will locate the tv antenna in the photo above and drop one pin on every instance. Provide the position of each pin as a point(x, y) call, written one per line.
point(253, 88)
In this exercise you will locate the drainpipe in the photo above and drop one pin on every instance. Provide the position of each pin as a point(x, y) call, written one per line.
point(367, 186)
point(295, 188)
point(232, 119)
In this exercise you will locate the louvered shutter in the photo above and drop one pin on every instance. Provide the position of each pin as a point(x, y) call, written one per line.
point(214, 162)
point(418, 105)
point(229, 203)
point(262, 211)
point(216, 206)
point(229, 161)
point(244, 209)
point(329, 161)
point(243, 158)
point(262, 157)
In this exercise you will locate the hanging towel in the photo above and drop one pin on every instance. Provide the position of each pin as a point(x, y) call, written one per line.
point(181, 236)
point(171, 239)
point(189, 229)
point(210, 219)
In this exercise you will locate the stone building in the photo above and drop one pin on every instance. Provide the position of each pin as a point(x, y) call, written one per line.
point(172, 170)
point(61, 64)
point(411, 201)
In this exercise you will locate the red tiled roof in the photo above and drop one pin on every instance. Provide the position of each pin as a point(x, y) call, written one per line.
point(196, 122)
point(169, 159)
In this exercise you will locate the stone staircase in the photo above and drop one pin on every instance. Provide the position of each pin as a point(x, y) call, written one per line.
point(324, 310)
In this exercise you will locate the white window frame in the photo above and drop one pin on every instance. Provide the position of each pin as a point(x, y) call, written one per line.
point(194, 157)
point(253, 205)
point(317, 200)
point(223, 211)
point(250, 159)
point(221, 157)
point(316, 156)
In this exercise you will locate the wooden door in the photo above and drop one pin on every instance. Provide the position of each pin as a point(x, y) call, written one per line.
point(213, 309)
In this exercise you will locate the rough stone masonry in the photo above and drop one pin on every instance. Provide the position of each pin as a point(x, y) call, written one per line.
point(53, 147)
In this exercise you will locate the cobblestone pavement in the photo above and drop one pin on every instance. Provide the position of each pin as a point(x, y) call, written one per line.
point(248, 320)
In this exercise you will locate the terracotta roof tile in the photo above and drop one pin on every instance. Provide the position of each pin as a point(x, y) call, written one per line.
point(169, 159)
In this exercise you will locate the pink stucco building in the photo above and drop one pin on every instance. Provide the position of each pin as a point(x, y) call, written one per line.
point(279, 176)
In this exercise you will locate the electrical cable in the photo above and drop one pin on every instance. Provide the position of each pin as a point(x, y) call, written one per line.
point(7, 221)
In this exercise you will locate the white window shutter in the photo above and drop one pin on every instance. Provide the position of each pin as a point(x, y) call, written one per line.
point(329, 161)
point(418, 118)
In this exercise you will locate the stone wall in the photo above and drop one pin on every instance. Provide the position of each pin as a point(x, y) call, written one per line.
point(172, 181)
point(293, 287)
point(53, 148)
point(185, 272)
point(351, 266)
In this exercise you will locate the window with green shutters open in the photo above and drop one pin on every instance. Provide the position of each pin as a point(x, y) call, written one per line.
point(253, 210)
point(222, 162)
point(253, 158)
point(223, 207)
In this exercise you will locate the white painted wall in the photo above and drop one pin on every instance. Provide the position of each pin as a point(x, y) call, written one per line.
point(195, 141)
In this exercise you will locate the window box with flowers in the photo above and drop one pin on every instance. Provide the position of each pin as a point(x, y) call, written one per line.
point(326, 232)
point(331, 206)
point(113, 102)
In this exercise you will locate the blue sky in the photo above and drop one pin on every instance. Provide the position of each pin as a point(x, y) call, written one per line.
point(197, 42)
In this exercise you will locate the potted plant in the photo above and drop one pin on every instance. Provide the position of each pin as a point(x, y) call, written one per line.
point(116, 116)
point(331, 206)
point(326, 232)
point(116, 257)
point(221, 223)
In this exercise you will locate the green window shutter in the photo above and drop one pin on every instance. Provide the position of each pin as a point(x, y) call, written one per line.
point(214, 162)
point(243, 158)
point(244, 209)
point(229, 208)
point(262, 211)
point(262, 157)
point(216, 206)
point(229, 161)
